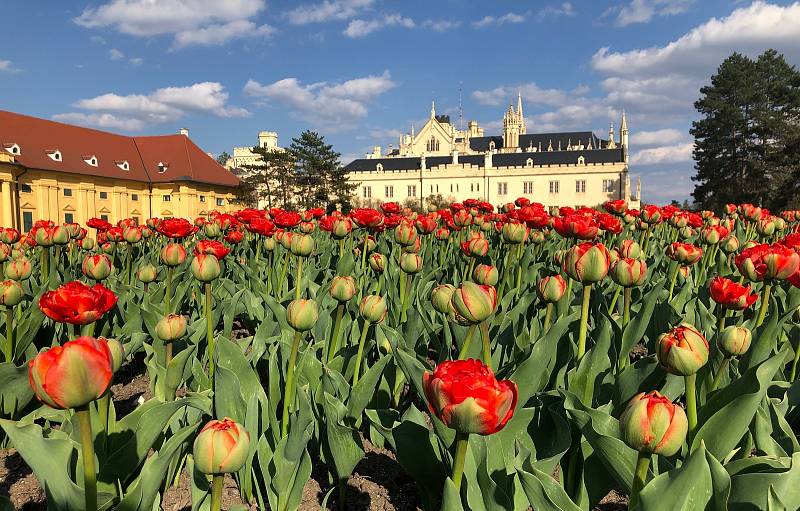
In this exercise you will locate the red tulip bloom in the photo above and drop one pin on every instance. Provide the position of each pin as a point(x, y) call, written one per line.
point(534, 217)
point(684, 253)
point(316, 212)
point(367, 218)
point(466, 396)
point(246, 215)
point(262, 226)
point(731, 295)
point(9, 235)
point(72, 375)
point(287, 219)
point(576, 226)
point(234, 236)
point(176, 228)
point(609, 223)
point(767, 262)
point(213, 247)
point(99, 224)
point(425, 224)
point(390, 208)
point(76, 303)
point(521, 202)
point(651, 214)
point(616, 207)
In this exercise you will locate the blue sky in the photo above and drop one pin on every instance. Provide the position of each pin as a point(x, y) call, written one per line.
point(363, 71)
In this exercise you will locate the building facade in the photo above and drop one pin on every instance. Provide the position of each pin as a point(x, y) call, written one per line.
point(243, 156)
point(442, 162)
point(66, 173)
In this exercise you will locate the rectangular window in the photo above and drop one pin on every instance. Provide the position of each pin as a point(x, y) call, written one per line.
point(202, 198)
point(104, 217)
point(502, 188)
point(68, 218)
point(580, 186)
point(431, 188)
point(527, 187)
point(68, 192)
point(472, 187)
point(135, 220)
point(554, 186)
point(25, 188)
point(451, 187)
point(166, 198)
point(134, 197)
point(388, 191)
point(366, 192)
point(437, 188)
point(456, 186)
point(27, 220)
point(220, 202)
point(412, 190)
point(104, 195)
point(479, 188)
point(608, 185)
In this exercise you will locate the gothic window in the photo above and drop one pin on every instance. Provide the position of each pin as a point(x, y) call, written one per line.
point(581, 160)
point(379, 167)
point(433, 145)
point(529, 162)
point(491, 145)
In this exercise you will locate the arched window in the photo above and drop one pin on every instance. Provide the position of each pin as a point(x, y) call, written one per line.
point(379, 167)
point(491, 145)
point(581, 160)
point(529, 162)
point(433, 145)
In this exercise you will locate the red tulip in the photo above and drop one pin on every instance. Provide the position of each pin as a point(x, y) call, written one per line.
point(587, 262)
point(576, 226)
point(651, 423)
point(390, 208)
point(99, 224)
point(72, 375)
point(466, 396)
point(216, 248)
point(76, 303)
point(176, 228)
point(367, 218)
point(767, 262)
point(9, 235)
point(730, 295)
point(651, 214)
point(260, 225)
point(287, 219)
point(684, 253)
point(234, 236)
point(616, 207)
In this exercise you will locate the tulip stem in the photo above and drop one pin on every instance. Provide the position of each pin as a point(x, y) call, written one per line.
point(691, 406)
point(626, 306)
point(462, 442)
point(639, 478)
point(168, 295)
point(672, 279)
point(793, 374)
point(9, 346)
point(548, 317)
point(762, 312)
point(87, 451)
point(518, 283)
point(614, 300)
point(360, 353)
point(584, 324)
point(467, 340)
point(288, 394)
point(217, 484)
point(334, 343)
point(128, 263)
point(210, 334)
point(45, 265)
point(298, 284)
point(487, 348)
point(403, 281)
point(717, 377)
point(279, 284)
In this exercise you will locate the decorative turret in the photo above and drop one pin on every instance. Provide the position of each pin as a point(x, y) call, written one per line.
point(611, 143)
point(520, 116)
point(623, 136)
point(433, 109)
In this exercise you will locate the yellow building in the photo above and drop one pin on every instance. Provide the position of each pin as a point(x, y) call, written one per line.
point(65, 173)
point(442, 161)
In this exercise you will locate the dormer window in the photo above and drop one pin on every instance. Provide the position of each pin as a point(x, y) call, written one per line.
point(491, 145)
point(529, 162)
point(379, 167)
point(123, 164)
point(581, 160)
point(54, 155)
point(13, 148)
point(162, 167)
point(90, 160)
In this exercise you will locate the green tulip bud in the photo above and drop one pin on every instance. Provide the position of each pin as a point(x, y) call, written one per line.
point(269, 244)
point(11, 293)
point(377, 262)
point(173, 254)
point(18, 269)
point(411, 263)
point(587, 262)
point(171, 327)
point(343, 288)
point(221, 447)
point(683, 350)
point(212, 230)
point(734, 341)
point(629, 272)
point(551, 289)
point(373, 308)
point(88, 244)
point(302, 245)
point(441, 296)
point(302, 315)
point(97, 267)
point(474, 302)
point(60, 235)
point(653, 424)
point(117, 353)
point(205, 267)
point(405, 233)
point(514, 233)
point(486, 274)
point(729, 244)
point(147, 274)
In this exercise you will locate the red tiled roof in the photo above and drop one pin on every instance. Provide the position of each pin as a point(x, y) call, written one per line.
point(37, 138)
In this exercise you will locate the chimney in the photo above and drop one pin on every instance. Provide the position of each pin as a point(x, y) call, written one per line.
point(455, 156)
point(422, 162)
point(487, 160)
point(184, 132)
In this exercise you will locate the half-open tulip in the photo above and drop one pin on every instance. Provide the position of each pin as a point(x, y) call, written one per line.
point(683, 350)
point(730, 295)
point(76, 303)
point(221, 447)
point(653, 424)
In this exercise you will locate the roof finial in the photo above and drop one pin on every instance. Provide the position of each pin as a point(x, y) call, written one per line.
point(433, 109)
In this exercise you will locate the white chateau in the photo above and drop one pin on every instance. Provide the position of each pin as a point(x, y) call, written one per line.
point(555, 169)
point(245, 156)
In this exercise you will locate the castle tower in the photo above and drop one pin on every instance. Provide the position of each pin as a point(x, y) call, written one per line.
point(611, 143)
point(510, 129)
point(623, 136)
point(520, 115)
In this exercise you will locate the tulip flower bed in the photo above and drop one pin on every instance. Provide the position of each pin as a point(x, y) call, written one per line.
point(495, 360)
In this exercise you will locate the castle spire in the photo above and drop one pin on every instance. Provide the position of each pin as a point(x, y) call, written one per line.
point(433, 109)
point(520, 115)
point(611, 143)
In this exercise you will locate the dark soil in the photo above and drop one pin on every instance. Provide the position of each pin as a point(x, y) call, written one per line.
point(19, 484)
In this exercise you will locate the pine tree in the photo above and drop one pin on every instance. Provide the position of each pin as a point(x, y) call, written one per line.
point(320, 179)
point(271, 181)
point(746, 144)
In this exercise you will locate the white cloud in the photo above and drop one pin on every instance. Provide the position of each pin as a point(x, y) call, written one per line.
point(323, 104)
point(655, 137)
point(748, 29)
point(108, 121)
point(565, 9)
point(642, 11)
point(215, 35)
point(510, 17)
point(328, 10)
point(135, 111)
point(361, 28)
point(6, 66)
point(441, 25)
point(115, 54)
point(147, 18)
point(531, 93)
point(663, 154)
point(136, 61)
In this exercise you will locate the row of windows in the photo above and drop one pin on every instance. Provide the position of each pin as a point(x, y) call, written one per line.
point(555, 186)
point(26, 188)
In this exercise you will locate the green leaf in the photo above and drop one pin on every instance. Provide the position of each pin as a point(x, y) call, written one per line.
point(364, 390)
point(15, 390)
point(342, 441)
point(637, 327)
point(451, 500)
point(754, 479)
point(544, 493)
point(725, 417)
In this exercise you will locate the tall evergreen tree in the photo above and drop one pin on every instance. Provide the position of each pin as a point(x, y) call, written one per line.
point(320, 179)
point(747, 141)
